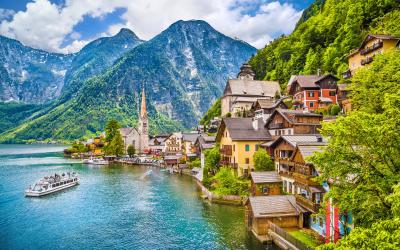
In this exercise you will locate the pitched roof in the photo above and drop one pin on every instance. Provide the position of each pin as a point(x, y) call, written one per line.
point(307, 81)
point(343, 86)
point(289, 116)
point(265, 103)
point(265, 177)
point(369, 37)
point(127, 131)
point(308, 149)
point(298, 139)
point(274, 206)
point(205, 141)
point(251, 88)
point(241, 129)
point(190, 137)
point(325, 99)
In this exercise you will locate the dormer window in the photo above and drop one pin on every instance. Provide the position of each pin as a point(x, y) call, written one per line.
point(244, 92)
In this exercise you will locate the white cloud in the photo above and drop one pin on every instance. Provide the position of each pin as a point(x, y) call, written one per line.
point(45, 25)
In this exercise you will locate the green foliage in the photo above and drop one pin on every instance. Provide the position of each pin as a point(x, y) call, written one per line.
point(77, 147)
point(114, 142)
point(130, 150)
point(214, 111)
point(13, 114)
point(306, 238)
point(334, 110)
point(196, 163)
point(211, 164)
point(262, 161)
point(363, 157)
point(225, 183)
point(324, 37)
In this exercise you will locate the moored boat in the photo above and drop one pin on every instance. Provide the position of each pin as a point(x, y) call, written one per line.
point(95, 161)
point(51, 184)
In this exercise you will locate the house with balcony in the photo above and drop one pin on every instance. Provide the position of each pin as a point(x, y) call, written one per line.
point(203, 143)
point(239, 139)
point(173, 144)
point(292, 122)
point(373, 44)
point(313, 92)
point(265, 183)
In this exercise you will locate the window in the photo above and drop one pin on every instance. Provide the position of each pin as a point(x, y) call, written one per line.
point(265, 190)
point(233, 147)
point(289, 132)
point(314, 219)
point(311, 94)
point(257, 146)
point(247, 147)
point(317, 198)
point(311, 104)
point(247, 160)
point(283, 132)
point(321, 222)
point(332, 93)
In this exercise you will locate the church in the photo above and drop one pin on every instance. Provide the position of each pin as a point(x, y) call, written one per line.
point(138, 137)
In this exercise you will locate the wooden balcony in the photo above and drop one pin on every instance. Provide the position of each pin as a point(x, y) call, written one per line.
point(276, 125)
point(366, 60)
point(226, 150)
point(306, 180)
point(306, 203)
point(228, 164)
point(375, 46)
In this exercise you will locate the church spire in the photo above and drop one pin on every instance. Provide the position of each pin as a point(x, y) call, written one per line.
point(143, 111)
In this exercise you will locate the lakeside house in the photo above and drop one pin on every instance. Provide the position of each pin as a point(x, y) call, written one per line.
point(203, 143)
point(265, 183)
point(157, 144)
point(173, 144)
point(189, 149)
point(138, 137)
point(239, 139)
point(280, 210)
point(373, 44)
point(313, 92)
point(96, 145)
point(292, 122)
point(240, 94)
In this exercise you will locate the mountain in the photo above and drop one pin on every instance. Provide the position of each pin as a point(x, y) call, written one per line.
point(324, 36)
point(30, 75)
point(34, 76)
point(183, 70)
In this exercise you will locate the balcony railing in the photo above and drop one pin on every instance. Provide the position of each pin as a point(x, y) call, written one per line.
point(366, 60)
point(226, 150)
point(375, 46)
point(276, 125)
point(228, 164)
point(306, 203)
point(305, 180)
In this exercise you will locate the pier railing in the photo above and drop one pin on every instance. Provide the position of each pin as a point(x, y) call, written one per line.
point(286, 236)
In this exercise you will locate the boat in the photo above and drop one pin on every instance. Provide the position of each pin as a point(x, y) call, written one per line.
point(95, 161)
point(51, 184)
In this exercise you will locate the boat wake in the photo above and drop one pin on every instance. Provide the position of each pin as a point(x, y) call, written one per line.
point(147, 174)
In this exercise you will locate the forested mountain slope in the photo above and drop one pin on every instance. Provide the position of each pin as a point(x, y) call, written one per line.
point(324, 37)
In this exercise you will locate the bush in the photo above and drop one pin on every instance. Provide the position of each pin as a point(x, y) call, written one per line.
point(225, 183)
point(262, 161)
point(334, 109)
point(194, 163)
point(131, 150)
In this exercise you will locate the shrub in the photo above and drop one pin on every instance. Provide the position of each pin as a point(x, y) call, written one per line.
point(262, 161)
point(334, 109)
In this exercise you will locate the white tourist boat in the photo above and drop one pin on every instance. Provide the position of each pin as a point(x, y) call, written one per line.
point(95, 161)
point(51, 184)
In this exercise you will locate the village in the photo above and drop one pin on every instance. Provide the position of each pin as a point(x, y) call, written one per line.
point(282, 194)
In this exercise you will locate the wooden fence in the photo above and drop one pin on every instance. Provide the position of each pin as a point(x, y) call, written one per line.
point(289, 238)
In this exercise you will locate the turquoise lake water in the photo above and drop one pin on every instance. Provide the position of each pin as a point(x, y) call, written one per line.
point(112, 208)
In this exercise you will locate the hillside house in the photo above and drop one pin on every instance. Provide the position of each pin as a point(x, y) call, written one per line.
point(188, 145)
point(263, 108)
point(292, 122)
point(239, 139)
point(203, 143)
point(313, 92)
point(372, 45)
point(240, 94)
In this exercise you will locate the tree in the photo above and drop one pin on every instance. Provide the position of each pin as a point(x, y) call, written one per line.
point(334, 109)
point(114, 142)
point(131, 151)
point(112, 128)
point(262, 161)
point(362, 156)
point(211, 165)
point(225, 183)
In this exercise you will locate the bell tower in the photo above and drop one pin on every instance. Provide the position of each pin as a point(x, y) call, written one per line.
point(143, 124)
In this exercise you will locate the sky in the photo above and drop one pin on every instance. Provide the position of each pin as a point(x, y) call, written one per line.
point(65, 26)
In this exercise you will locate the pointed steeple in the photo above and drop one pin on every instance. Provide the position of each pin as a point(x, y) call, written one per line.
point(143, 111)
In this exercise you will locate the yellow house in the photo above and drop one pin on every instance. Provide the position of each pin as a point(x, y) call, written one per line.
point(239, 139)
point(371, 46)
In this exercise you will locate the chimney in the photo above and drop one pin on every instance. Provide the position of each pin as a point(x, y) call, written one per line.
point(319, 138)
point(255, 123)
point(319, 72)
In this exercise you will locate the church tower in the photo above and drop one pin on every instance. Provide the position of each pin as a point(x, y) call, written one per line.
point(143, 125)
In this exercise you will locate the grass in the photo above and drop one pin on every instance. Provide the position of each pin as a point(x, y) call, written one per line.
point(306, 238)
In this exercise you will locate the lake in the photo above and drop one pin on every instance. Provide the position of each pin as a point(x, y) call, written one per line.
point(113, 207)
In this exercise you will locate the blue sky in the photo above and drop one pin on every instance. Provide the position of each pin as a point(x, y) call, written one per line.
point(67, 25)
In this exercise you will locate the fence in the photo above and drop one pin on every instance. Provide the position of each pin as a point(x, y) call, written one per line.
point(285, 235)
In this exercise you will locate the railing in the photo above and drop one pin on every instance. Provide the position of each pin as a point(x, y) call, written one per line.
point(276, 125)
point(366, 60)
point(304, 202)
point(372, 48)
point(304, 179)
point(285, 235)
point(226, 150)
